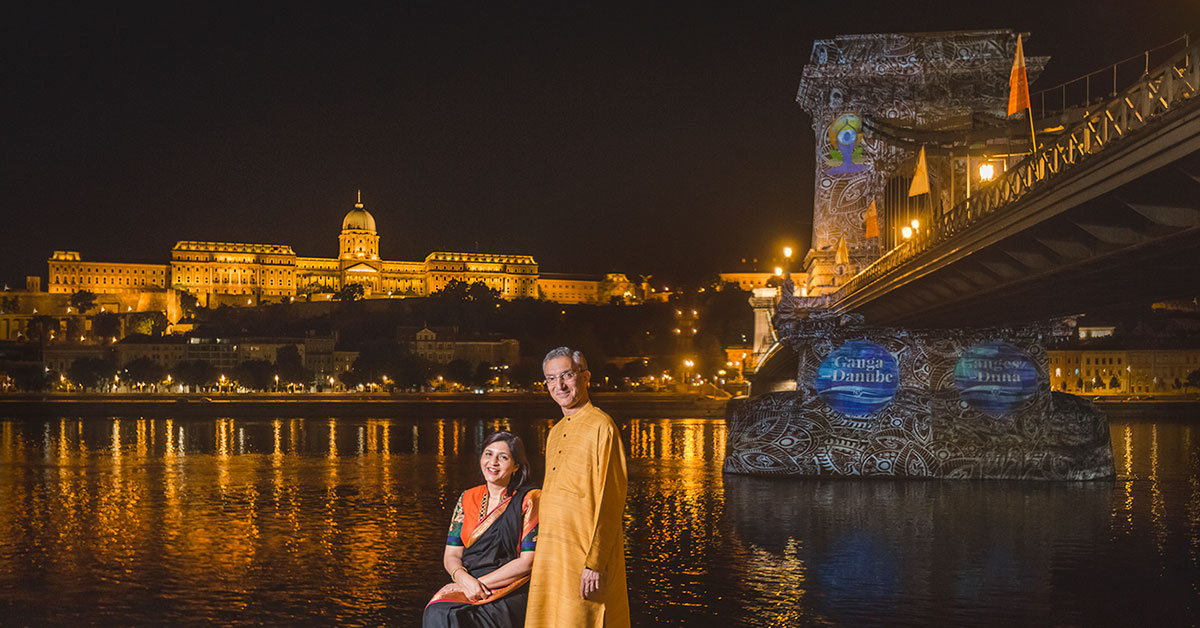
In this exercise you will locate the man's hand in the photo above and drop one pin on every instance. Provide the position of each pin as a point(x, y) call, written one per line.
point(589, 583)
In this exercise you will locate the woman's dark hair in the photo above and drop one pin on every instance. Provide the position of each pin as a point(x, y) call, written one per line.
point(517, 449)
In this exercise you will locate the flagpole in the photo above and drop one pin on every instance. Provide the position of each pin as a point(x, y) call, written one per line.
point(1032, 135)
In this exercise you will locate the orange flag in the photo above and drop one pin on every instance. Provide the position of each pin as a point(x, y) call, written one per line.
point(920, 182)
point(872, 221)
point(1018, 84)
point(843, 252)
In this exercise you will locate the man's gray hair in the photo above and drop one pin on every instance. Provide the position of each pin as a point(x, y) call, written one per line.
point(577, 358)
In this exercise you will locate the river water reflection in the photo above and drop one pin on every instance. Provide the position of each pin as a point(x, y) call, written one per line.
point(341, 521)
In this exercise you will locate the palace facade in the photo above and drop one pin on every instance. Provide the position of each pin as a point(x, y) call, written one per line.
point(248, 274)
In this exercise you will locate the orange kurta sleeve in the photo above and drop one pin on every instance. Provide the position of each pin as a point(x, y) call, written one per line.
point(609, 484)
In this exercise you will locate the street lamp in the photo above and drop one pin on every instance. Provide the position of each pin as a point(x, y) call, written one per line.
point(986, 171)
point(906, 232)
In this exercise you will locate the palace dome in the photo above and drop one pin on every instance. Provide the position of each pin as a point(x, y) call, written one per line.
point(358, 219)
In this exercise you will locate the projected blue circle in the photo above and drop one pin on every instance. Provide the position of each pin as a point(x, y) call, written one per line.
point(858, 378)
point(995, 377)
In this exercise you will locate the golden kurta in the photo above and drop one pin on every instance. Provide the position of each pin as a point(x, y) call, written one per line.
point(582, 506)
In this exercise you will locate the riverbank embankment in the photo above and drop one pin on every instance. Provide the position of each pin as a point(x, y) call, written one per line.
point(465, 405)
point(625, 405)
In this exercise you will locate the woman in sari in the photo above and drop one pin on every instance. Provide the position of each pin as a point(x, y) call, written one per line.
point(489, 550)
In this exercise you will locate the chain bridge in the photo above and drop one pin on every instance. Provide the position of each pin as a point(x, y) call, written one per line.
point(916, 346)
point(1104, 211)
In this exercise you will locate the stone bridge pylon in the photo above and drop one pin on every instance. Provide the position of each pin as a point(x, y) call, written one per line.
point(934, 81)
point(888, 401)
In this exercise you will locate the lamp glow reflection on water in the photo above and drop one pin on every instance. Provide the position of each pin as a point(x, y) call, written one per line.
point(218, 523)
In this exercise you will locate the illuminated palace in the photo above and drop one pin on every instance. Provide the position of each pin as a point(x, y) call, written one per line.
point(247, 274)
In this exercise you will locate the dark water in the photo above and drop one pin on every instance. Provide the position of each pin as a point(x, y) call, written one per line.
point(238, 522)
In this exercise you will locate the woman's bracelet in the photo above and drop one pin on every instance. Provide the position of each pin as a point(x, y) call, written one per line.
point(455, 572)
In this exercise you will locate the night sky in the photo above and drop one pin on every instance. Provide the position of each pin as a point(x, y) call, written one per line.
point(656, 138)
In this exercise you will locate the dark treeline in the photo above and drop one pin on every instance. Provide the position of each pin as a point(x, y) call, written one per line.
point(623, 342)
point(660, 333)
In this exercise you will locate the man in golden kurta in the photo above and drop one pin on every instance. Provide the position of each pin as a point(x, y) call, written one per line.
point(579, 570)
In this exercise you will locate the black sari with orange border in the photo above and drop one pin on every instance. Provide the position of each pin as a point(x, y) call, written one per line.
point(490, 539)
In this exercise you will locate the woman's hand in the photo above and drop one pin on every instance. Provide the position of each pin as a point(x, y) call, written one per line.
point(472, 587)
point(448, 589)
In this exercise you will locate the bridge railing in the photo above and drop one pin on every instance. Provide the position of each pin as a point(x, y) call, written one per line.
point(1097, 85)
point(1161, 90)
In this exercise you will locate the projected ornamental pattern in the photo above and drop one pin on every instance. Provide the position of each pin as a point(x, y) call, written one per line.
point(930, 428)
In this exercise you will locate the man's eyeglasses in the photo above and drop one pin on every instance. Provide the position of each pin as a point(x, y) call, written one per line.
point(566, 376)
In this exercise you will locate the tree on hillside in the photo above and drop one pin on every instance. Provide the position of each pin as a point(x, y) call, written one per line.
point(290, 367)
point(455, 290)
point(255, 374)
point(459, 372)
point(309, 289)
point(350, 292)
point(473, 308)
point(106, 325)
point(82, 300)
point(76, 328)
point(143, 371)
point(377, 360)
point(42, 329)
point(351, 378)
point(479, 291)
point(288, 355)
point(149, 323)
point(727, 314)
point(189, 305)
point(90, 372)
point(31, 377)
point(526, 373)
point(483, 374)
point(196, 373)
point(710, 357)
